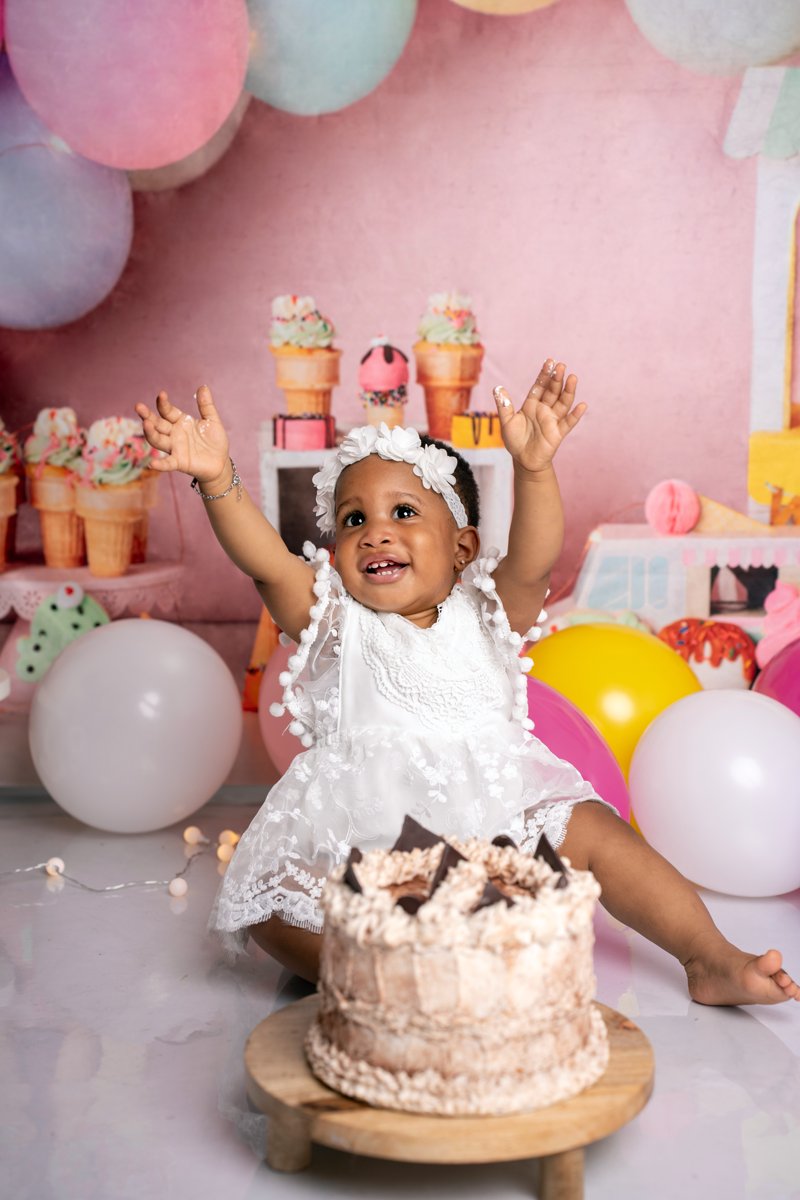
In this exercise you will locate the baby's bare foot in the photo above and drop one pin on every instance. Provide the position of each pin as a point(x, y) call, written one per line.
point(730, 976)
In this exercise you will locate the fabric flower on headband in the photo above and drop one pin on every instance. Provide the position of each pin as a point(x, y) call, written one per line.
point(434, 466)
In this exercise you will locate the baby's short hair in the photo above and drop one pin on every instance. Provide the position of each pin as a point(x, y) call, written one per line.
point(466, 484)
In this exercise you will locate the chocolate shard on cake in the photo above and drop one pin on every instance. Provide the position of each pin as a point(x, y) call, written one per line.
point(450, 858)
point(414, 836)
point(350, 877)
point(503, 839)
point(490, 895)
point(545, 851)
point(411, 904)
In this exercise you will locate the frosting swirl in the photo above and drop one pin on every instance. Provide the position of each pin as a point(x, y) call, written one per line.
point(449, 320)
point(296, 321)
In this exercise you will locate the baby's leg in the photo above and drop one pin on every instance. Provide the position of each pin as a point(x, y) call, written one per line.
point(294, 948)
point(642, 890)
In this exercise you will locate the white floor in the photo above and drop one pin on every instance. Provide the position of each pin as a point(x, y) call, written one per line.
point(123, 1028)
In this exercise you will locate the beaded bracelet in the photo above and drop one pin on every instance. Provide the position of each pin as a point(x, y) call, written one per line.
point(234, 483)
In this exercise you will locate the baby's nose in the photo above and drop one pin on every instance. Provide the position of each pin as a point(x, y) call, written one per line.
point(375, 533)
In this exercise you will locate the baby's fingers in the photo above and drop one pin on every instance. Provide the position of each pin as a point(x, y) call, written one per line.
point(205, 404)
point(169, 411)
point(505, 409)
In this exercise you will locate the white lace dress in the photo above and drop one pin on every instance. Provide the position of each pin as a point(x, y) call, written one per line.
point(397, 719)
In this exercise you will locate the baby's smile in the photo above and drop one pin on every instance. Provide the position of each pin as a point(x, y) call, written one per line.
point(384, 570)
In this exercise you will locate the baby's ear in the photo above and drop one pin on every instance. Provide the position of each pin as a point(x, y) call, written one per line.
point(468, 544)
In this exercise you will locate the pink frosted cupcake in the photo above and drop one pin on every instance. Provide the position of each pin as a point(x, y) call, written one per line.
point(383, 380)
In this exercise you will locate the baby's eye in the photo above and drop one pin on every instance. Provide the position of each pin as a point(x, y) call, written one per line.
point(404, 511)
point(353, 520)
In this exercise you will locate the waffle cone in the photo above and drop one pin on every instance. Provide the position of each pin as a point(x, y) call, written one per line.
point(110, 515)
point(447, 374)
point(51, 491)
point(390, 414)
point(718, 518)
point(8, 509)
point(307, 378)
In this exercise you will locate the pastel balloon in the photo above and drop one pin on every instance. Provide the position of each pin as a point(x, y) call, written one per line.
point(780, 678)
point(571, 736)
point(133, 90)
point(281, 745)
point(187, 170)
point(716, 38)
point(619, 678)
point(136, 725)
point(715, 784)
point(312, 56)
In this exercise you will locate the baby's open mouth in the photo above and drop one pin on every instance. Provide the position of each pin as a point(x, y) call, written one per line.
point(384, 568)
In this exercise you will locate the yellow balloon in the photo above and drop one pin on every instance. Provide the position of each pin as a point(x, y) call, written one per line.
point(619, 678)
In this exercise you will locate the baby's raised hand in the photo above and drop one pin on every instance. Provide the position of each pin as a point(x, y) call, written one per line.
point(533, 434)
point(198, 446)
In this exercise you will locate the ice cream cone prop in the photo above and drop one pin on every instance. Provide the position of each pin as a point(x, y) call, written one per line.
point(149, 481)
point(110, 514)
point(51, 491)
point(307, 378)
point(719, 518)
point(447, 374)
point(8, 509)
point(383, 380)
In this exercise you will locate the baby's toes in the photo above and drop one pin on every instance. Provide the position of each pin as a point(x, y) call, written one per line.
point(787, 985)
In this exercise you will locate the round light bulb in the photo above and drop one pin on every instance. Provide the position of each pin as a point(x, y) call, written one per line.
point(54, 866)
point(228, 837)
point(225, 852)
point(178, 887)
point(193, 835)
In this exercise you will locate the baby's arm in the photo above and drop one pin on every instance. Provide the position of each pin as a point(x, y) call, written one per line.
point(536, 534)
point(199, 447)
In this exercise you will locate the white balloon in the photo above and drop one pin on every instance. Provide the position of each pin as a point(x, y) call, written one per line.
point(715, 787)
point(719, 37)
point(135, 726)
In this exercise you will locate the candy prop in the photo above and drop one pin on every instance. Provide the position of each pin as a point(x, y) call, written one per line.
point(721, 654)
point(448, 355)
point(719, 39)
point(281, 746)
point(383, 383)
point(311, 56)
point(306, 362)
point(59, 620)
point(619, 678)
point(714, 785)
point(780, 678)
point(570, 735)
point(131, 94)
point(674, 507)
point(135, 726)
point(65, 223)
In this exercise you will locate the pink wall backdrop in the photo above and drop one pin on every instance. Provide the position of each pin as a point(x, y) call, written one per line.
point(552, 165)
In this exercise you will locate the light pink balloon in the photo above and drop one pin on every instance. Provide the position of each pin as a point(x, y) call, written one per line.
point(132, 86)
point(186, 170)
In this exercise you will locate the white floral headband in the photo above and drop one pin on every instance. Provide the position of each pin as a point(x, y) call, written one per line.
point(434, 466)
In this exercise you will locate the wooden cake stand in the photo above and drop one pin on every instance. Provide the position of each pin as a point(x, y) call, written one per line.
point(302, 1110)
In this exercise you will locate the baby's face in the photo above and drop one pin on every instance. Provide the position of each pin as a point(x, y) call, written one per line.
point(396, 542)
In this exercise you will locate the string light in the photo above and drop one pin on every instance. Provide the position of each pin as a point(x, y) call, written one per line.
point(177, 887)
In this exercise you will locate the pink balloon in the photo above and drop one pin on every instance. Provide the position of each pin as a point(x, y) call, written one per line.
point(281, 745)
point(780, 678)
point(570, 735)
point(131, 86)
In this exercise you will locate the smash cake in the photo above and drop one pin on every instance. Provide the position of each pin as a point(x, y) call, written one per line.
point(306, 362)
point(383, 381)
point(456, 978)
point(448, 355)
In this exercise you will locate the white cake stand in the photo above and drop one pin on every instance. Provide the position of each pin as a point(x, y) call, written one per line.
point(302, 1110)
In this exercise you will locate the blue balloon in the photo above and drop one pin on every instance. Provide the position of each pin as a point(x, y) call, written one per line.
point(317, 56)
point(66, 224)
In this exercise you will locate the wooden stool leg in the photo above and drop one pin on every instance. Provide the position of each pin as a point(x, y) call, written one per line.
point(288, 1142)
point(561, 1176)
